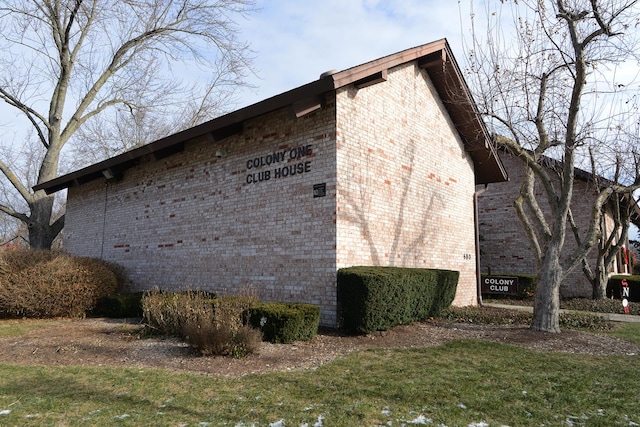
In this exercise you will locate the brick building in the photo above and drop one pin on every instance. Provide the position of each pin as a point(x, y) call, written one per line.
point(504, 246)
point(373, 165)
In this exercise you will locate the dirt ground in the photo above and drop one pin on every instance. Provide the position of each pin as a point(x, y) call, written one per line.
point(111, 342)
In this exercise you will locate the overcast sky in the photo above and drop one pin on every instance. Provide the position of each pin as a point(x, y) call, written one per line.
point(296, 40)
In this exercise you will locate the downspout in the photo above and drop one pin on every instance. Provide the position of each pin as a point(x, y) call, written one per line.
point(476, 214)
point(104, 218)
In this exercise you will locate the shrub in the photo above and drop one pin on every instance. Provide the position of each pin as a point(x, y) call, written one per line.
point(166, 312)
point(211, 338)
point(119, 305)
point(210, 325)
point(605, 305)
point(286, 322)
point(584, 320)
point(497, 316)
point(41, 284)
point(377, 298)
point(486, 316)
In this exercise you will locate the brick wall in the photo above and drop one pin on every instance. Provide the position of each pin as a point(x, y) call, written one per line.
point(405, 184)
point(403, 197)
point(505, 248)
point(193, 220)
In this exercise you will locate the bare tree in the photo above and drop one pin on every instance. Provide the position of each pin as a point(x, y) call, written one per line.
point(68, 66)
point(614, 231)
point(549, 84)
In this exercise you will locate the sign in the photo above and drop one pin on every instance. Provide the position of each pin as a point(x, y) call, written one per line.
point(320, 190)
point(500, 285)
point(279, 164)
point(625, 294)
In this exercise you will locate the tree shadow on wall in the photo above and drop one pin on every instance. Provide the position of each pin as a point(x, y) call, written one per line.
point(366, 206)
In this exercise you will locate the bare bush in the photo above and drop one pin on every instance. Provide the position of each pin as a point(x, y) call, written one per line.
point(44, 284)
point(218, 338)
point(165, 312)
point(213, 326)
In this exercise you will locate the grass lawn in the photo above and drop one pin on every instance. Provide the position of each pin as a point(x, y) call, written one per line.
point(13, 328)
point(458, 384)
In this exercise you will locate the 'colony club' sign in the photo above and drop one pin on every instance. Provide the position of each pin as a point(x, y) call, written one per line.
point(279, 164)
point(499, 285)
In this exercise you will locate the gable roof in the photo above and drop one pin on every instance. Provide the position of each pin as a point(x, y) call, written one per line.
point(436, 58)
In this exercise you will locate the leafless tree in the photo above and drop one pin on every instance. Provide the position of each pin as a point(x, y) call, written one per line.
point(614, 231)
point(73, 68)
point(549, 77)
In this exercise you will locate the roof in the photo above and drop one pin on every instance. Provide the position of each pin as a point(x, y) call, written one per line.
point(436, 58)
point(588, 177)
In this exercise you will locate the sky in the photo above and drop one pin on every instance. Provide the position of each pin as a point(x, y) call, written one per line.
point(294, 41)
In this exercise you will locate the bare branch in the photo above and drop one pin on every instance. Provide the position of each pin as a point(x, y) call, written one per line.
point(32, 115)
point(76, 59)
point(15, 182)
point(18, 215)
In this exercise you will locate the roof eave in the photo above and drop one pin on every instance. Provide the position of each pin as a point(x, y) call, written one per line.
point(435, 57)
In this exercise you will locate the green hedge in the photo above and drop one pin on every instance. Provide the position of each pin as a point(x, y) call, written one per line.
point(614, 285)
point(526, 285)
point(120, 305)
point(378, 298)
point(285, 322)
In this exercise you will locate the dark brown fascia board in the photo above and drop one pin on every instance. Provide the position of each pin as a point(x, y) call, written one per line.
point(363, 71)
point(458, 100)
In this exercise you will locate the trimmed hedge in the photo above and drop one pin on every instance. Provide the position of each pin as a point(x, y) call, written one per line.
point(378, 298)
point(615, 283)
point(120, 305)
point(285, 322)
point(526, 285)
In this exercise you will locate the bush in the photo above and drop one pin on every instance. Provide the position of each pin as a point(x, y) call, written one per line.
point(211, 336)
point(584, 320)
point(43, 284)
point(286, 322)
point(605, 305)
point(486, 316)
point(166, 312)
point(119, 305)
point(377, 298)
point(210, 325)
point(497, 316)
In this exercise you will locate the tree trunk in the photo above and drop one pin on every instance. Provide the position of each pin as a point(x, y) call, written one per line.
point(546, 309)
point(600, 282)
point(41, 232)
